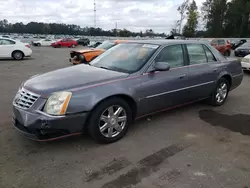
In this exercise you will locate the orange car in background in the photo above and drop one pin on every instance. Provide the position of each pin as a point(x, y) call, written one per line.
point(86, 56)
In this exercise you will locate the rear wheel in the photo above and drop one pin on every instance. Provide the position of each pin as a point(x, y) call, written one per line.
point(38, 44)
point(73, 46)
point(220, 93)
point(17, 55)
point(110, 120)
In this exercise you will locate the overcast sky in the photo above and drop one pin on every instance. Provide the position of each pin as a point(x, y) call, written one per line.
point(134, 15)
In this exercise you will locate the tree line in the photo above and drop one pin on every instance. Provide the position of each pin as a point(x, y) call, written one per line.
point(69, 29)
point(220, 18)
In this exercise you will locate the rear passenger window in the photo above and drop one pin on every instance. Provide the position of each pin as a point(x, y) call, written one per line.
point(210, 56)
point(196, 54)
point(171, 54)
point(215, 42)
point(221, 42)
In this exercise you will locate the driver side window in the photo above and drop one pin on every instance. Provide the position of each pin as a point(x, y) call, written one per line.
point(173, 55)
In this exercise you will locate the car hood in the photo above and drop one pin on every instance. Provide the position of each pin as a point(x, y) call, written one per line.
point(70, 78)
point(88, 50)
point(247, 56)
point(243, 48)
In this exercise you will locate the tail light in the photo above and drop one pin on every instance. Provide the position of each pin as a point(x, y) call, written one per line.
point(27, 45)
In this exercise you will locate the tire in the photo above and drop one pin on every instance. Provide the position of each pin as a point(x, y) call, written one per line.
point(103, 109)
point(38, 44)
point(73, 46)
point(227, 53)
point(214, 99)
point(59, 46)
point(17, 55)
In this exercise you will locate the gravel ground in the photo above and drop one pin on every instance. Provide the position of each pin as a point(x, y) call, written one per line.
point(197, 146)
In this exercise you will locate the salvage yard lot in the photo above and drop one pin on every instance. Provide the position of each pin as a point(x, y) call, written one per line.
point(197, 146)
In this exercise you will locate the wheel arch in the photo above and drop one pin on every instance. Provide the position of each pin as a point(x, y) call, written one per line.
point(228, 77)
point(12, 54)
point(128, 99)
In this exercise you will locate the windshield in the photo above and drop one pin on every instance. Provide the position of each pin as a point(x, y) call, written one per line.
point(106, 45)
point(234, 41)
point(125, 57)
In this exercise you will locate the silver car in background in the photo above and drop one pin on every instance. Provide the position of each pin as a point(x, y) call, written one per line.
point(129, 81)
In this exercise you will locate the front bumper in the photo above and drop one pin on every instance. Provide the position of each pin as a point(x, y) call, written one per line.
point(245, 65)
point(74, 62)
point(43, 127)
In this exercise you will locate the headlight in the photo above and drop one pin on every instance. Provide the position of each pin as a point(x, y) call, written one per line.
point(57, 103)
point(81, 57)
point(245, 60)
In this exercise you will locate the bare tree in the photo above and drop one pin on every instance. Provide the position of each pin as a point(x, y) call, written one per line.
point(182, 10)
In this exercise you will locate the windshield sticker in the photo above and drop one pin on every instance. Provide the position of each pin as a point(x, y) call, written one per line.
point(150, 46)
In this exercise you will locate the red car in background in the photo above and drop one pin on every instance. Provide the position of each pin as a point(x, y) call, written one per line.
point(222, 45)
point(65, 43)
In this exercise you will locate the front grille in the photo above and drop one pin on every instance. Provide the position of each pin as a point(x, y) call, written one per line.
point(25, 99)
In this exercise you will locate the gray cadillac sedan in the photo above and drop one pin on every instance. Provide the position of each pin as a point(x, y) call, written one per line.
point(129, 81)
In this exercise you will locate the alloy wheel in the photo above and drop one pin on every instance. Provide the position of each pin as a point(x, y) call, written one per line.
point(221, 92)
point(112, 121)
point(18, 55)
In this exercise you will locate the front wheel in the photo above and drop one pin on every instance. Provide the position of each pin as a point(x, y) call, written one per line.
point(220, 93)
point(110, 120)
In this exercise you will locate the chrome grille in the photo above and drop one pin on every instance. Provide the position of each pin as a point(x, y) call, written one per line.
point(25, 99)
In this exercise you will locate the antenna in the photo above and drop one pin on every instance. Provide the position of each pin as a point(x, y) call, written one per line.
point(94, 14)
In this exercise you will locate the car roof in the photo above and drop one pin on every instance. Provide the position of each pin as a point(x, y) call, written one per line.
point(6, 38)
point(167, 42)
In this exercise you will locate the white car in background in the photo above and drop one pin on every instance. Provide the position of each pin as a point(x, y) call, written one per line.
point(10, 48)
point(43, 42)
point(245, 63)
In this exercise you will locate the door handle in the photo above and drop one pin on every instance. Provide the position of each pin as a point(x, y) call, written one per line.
point(182, 76)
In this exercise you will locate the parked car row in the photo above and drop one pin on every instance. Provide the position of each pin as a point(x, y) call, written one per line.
point(66, 42)
point(128, 81)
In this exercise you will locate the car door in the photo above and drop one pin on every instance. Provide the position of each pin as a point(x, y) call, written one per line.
point(47, 42)
point(165, 89)
point(68, 42)
point(6, 47)
point(203, 70)
point(63, 42)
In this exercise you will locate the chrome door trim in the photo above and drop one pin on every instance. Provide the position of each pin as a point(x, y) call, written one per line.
point(176, 90)
point(237, 75)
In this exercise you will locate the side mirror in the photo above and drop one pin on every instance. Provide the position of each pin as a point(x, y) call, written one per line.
point(160, 66)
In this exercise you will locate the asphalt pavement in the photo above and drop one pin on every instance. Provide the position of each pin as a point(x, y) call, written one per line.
point(196, 146)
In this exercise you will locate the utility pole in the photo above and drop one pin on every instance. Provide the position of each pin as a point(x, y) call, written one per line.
point(116, 29)
point(94, 14)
